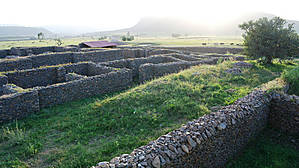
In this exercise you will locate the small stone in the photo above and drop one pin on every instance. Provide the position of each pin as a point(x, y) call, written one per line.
point(163, 161)
point(197, 141)
point(173, 148)
point(242, 64)
point(103, 164)
point(141, 157)
point(191, 142)
point(208, 134)
point(235, 71)
point(204, 136)
point(156, 162)
point(185, 148)
point(115, 160)
point(122, 165)
point(233, 121)
point(143, 163)
point(221, 126)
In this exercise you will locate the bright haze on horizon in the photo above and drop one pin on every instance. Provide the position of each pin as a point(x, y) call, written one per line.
point(96, 15)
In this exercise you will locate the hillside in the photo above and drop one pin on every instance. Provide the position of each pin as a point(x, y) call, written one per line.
point(168, 25)
point(20, 32)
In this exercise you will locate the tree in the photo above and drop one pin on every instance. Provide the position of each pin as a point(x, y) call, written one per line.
point(128, 37)
point(266, 39)
point(40, 36)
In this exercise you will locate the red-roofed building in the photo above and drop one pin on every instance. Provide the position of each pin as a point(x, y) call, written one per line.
point(97, 44)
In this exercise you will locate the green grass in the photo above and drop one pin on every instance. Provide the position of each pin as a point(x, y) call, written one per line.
point(292, 77)
point(270, 150)
point(160, 41)
point(82, 133)
point(190, 41)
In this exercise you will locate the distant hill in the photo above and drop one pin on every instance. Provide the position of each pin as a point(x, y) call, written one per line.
point(20, 32)
point(168, 25)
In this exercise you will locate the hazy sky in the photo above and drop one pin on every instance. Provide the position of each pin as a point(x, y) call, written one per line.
point(112, 14)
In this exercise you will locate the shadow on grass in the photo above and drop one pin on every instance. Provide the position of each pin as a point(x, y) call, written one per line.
point(271, 149)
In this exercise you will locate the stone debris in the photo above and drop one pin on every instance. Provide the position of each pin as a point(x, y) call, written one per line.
point(242, 64)
point(156, 162)
point(235, 71)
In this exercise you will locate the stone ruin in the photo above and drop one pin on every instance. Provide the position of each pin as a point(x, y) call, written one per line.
point(40, 77)
point(211, 140)
point(35, 79)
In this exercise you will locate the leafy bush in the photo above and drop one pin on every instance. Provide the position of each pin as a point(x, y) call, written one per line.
point(58, 41)
point(292, 77)
point(127, 38)
point(266, 39)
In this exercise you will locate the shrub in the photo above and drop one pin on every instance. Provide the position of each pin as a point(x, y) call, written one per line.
point(58, 41)
point(127, 38)
point(292, 77)
point(266, 39)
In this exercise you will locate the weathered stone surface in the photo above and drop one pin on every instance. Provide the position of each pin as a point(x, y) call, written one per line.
point(103, 165)
point(222, 126)
point(156, 162)
point(284, 113)
point(191, 142)
point(185, 148)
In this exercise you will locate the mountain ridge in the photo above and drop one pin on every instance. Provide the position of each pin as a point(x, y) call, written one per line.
point(169, 25)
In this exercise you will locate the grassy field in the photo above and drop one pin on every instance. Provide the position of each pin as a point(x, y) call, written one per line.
point(271, 149)
point(82, 133)
point(190, 41)
point(154, 41)
point(37, 43)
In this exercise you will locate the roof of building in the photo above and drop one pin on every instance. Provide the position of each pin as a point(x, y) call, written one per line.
point(99, 44)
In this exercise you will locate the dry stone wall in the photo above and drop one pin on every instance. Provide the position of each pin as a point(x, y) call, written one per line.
point(183, 57)
point(73, 76)
point(13, 64)
point(213, 139)
point(25, 51)
point(84, 87)
point(51, 59)
point(4, 53)
point(3, 80)
point(150, 71)
point(34, 61)
point(33, 77)
point(18, 105)
point(61, 77)
point(134, 64)
point(207, 142)
point(284, 113)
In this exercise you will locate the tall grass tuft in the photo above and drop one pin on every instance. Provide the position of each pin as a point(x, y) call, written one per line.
point(14, 136)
